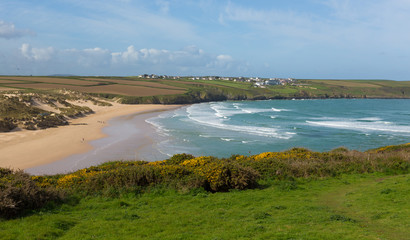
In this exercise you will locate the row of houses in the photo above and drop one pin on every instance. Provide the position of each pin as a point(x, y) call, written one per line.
point(154, 76)
point(258, 82)
point(212, 78)
point(274, 81)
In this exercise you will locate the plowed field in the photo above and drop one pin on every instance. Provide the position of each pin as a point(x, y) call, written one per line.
point(92, 85)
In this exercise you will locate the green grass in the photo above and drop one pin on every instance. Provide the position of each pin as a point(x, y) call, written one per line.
point(363, 206)
point(356, 88)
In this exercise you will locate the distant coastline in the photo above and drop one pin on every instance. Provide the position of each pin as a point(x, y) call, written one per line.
point(188, 90)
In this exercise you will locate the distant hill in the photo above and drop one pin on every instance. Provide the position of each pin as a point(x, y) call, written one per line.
point(62, 75)
point(185, 90)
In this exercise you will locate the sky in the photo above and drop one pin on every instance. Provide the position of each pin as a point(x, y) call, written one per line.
point(337, 39)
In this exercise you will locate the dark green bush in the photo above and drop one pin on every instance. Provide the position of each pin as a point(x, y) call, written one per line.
point(18, 193)
point(237, 177)
point(6, 125)
point(51, 121)
point(122, 178)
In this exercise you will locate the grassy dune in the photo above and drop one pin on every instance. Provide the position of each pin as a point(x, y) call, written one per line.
point(39, 109)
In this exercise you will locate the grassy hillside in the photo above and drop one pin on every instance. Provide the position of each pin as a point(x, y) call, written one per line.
point(356, 88)
point(295, 194)
point(184, 90)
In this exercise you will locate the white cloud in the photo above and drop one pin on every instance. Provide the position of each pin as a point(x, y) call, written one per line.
point(9, 31)
point(131, 55)
point(190, 56)
point(97, 61)
point(224, 58)
point(91, 57)
point(37, 54)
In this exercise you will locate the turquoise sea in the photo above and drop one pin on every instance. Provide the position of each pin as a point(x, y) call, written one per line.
point(251, 127)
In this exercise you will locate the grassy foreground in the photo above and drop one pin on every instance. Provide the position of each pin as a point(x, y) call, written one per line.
point(295, 194)
point(370, 206)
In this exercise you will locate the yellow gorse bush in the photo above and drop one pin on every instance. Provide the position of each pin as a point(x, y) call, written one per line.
point(81, 176)
point(213, 170)
point(157, 163)
point(393, 147)
point(172, 171)
point(4, 181)
point(239, 171)
point(296, 153)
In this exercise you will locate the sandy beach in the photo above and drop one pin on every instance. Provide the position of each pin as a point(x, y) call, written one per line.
point(28, 149)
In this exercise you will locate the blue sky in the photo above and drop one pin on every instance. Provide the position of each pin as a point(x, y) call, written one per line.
point(355, 39)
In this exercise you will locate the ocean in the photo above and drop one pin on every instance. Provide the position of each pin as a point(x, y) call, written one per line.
point(251, 127)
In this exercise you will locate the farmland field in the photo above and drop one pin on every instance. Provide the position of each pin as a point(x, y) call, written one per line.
point(5, 88)
point(361, 83)
point(91, 85)
point(47, 80)
point(348, 83)
point(113, 89)
point(184, 90)
point(135, 83)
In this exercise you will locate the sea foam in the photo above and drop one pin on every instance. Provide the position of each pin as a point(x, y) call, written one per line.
point(360, 125)
point(211, 117)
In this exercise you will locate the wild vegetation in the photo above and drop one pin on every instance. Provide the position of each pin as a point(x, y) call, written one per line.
point(185, 172)
point(18, 192)
point(295, 194)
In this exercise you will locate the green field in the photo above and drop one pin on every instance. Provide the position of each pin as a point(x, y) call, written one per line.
point(356, 88)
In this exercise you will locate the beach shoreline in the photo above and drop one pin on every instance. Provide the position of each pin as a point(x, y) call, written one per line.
point(32, 149)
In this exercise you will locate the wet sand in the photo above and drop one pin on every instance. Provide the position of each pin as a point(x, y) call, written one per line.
point(128, 138)
point(32, 149)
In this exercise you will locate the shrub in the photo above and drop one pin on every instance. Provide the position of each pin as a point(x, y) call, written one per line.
point(51, 121)
point(184, 171)
point(394, 148)
point(121, 178)
point(179, 158)
point(340, 150)
point(299, 162)
point(6, 125)
point(222, 175)
point(18, 193)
